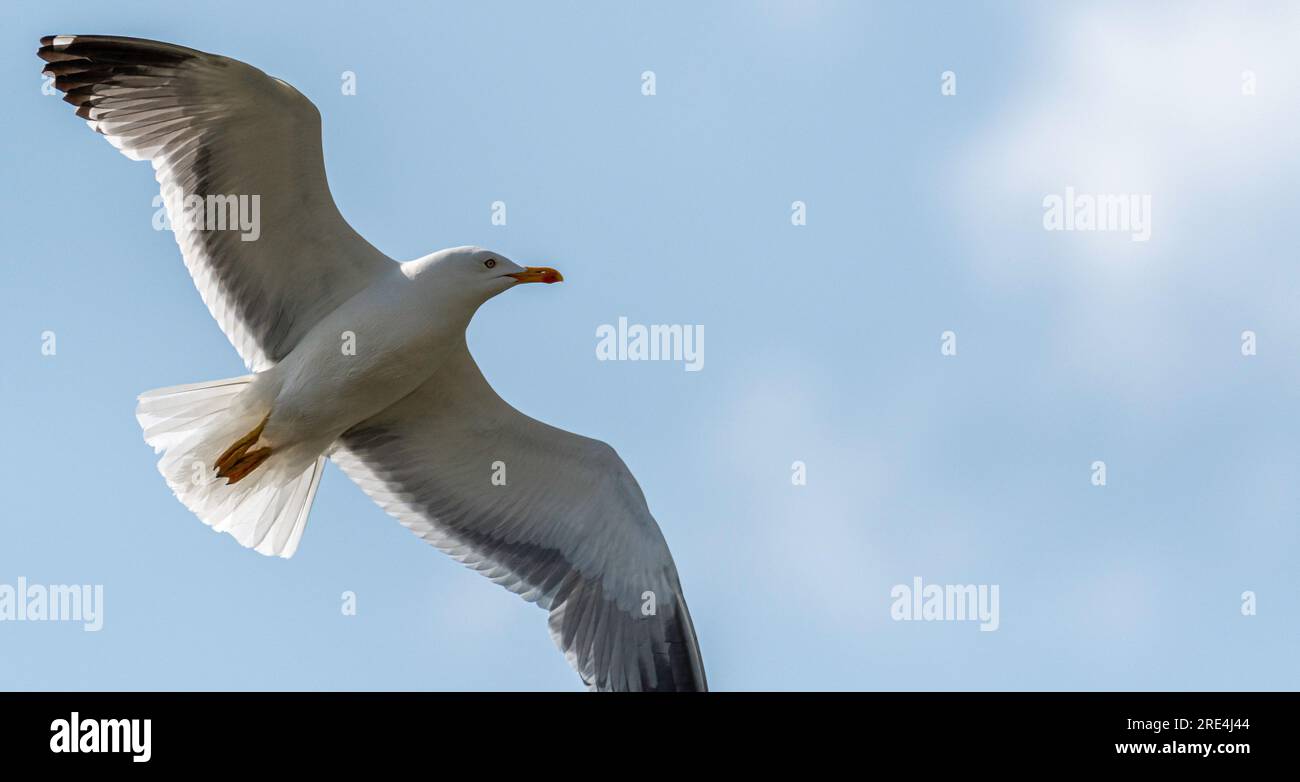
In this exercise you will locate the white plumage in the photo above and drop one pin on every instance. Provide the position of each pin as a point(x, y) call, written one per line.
point(407, 415)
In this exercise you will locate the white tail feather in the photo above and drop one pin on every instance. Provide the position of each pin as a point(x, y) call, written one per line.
point(192, 425)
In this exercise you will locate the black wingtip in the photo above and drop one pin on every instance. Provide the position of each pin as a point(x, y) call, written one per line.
point(51, 53)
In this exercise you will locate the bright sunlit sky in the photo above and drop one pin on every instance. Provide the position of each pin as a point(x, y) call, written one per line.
point(924, 214)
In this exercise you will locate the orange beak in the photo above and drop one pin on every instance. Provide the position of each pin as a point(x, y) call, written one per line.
point(538, 274)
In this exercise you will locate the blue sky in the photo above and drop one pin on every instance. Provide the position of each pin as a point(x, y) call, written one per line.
point(924, 214)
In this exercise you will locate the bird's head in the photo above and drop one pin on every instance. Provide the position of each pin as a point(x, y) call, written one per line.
point(478, 274)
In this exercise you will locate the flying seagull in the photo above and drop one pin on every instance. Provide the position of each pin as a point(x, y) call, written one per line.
point(552, 516)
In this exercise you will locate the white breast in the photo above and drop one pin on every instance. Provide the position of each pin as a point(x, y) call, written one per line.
point(369, 353)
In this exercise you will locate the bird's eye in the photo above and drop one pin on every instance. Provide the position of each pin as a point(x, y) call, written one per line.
point(490, 263)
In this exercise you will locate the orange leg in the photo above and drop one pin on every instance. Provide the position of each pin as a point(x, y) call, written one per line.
point(238, 461)
point(246, 464)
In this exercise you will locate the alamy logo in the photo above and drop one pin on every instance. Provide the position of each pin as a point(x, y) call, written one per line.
point(1129, 212)
point(657, 342)
point(945, 603)
point(91, 735)
point(217, 212)
point(55, 603)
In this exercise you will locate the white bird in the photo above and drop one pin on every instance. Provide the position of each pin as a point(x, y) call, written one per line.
point(407, 414)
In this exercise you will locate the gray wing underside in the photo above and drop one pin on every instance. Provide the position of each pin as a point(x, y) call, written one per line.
point(569, 530)
point(216, 127)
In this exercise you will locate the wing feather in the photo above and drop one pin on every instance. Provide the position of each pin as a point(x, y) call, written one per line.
point(570, 528)
point(213, 126)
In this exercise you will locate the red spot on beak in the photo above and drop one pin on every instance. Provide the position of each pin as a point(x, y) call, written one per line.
point(538, 274)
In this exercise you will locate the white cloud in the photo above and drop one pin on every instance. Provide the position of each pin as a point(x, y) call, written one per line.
point(1125, 99)
point(1146, 101)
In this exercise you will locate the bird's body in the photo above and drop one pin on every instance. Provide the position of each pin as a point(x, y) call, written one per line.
point(374, 349)
point(362, 360)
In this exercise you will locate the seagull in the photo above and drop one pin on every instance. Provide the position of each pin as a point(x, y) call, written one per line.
point(360, 359)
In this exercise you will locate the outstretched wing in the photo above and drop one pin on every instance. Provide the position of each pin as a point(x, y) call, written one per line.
point(550, 515)
point(214, 128)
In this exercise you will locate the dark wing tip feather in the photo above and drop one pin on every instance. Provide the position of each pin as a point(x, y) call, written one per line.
point(65, 67)
point(82, 60)
point(78, 96)
point(80, 63)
